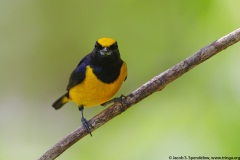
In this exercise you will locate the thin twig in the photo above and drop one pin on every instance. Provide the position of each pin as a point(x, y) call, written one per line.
point(155, 84)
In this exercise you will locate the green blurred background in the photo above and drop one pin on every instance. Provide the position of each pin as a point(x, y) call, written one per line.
point(41, 42)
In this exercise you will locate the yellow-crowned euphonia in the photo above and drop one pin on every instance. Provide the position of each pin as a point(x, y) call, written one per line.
point(96, 79)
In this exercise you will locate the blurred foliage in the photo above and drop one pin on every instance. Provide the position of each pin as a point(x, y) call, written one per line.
point(42, 41)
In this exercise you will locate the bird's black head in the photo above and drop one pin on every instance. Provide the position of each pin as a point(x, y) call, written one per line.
point(105, 51)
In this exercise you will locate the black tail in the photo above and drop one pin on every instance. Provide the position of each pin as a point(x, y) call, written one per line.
point(61, 101)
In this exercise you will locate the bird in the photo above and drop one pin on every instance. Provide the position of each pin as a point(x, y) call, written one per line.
point(96, 79)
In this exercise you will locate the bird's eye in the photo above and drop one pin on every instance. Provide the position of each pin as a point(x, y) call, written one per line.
point(98, 46)
point(114, 46)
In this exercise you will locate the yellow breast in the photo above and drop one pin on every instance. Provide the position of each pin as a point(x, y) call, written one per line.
point(93, 92)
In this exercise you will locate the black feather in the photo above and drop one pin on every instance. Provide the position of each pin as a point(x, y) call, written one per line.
point(59, 103)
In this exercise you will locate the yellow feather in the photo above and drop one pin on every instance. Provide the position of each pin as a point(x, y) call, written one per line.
point(92, 91)
point(106, 42)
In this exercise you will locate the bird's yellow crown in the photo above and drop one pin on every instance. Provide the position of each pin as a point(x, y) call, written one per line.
point(106, 42)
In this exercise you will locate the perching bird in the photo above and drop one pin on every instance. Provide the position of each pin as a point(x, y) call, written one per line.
point(96, 79)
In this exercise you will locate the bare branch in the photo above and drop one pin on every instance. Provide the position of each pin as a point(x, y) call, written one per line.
point(155, 84)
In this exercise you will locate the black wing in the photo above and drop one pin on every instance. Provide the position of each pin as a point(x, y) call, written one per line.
point(78, 75)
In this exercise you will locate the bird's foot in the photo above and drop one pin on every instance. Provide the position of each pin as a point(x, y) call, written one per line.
point(121, 99)
point(86, 125)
